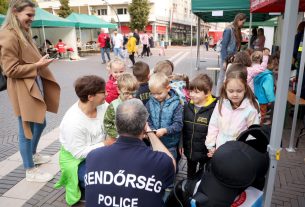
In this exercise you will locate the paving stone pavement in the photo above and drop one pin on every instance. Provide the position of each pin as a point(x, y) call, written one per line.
point(290, 178)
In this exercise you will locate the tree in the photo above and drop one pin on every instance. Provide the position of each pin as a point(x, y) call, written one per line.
point(3, 6)
point(64, 9)
point(139, 12)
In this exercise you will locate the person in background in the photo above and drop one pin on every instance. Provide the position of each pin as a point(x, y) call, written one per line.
point(104, 42)
point(137, 36)
point(259, 43)
point(79, 44)
point(206, 42)
point(117, 68)
point(131, 47)
point(231, 44)
point(61, 48)
point(150, 43)
point(162, 46)
point(141, 72)
point(237, 105)
point(253, 38)
point(81, 131)
point(117, 41)
point(145, 43)
point(31, 86)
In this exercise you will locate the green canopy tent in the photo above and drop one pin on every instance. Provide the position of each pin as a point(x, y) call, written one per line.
point(268, 23)
point(45, 19)
point(2, 17)
point(89, 21)
point(223, 11)
point(84, 21)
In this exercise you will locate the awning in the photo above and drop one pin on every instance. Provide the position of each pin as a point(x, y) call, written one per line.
point(224, 10)
point(265, 6)
point(269, 23)
point(46, 19)
point(89, 21)
point(2, 17)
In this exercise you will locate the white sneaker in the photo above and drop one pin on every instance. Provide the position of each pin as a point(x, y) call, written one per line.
point(35, 175)
point(41, 159)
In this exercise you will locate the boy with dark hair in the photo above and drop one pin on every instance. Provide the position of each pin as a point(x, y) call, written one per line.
point(141, 72)
point(197, 114)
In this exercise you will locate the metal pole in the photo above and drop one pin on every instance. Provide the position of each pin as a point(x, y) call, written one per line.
point(290, 20)
point(250, 31)
point(296, 107)
point(198, 44)
point(80, 34)
point(192, 42)
point(44, 37)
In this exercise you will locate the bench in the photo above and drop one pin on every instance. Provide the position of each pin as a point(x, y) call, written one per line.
point(292, 101)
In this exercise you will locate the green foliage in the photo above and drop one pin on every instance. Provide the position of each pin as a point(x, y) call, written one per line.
point(64, 9)
point(3, 6)
point(139, 12)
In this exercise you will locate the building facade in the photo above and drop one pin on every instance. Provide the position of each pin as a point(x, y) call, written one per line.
point(168, 19)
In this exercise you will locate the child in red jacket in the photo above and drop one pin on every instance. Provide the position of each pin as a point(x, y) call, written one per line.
point(117, 67)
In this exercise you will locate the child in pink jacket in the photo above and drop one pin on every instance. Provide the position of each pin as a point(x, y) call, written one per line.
point(259, 64)
point(236, 110)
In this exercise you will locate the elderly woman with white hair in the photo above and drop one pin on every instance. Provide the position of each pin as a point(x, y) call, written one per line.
point(131, 47)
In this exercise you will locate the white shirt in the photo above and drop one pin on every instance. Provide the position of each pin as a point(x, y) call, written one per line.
point(117, 40)
point(80, 134)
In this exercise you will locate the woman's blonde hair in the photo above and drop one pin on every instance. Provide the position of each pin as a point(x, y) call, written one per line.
point(12, 23)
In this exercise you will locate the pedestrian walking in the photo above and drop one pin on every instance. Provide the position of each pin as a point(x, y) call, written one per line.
point(117, 41)
point(104, 41)
point(31, 87)
point(131, 47)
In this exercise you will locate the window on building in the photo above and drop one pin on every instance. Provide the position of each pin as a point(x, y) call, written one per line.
point(102, 12)
point(122, 11)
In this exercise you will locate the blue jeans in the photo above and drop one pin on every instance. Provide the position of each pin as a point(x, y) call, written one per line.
point(28, 147)
point(118, 52)
point(81, 173)
point(107, 50)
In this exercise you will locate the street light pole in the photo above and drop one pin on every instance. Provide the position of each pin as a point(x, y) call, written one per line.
point(119, 24)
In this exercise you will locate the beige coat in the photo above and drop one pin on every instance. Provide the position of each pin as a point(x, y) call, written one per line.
point(17, 61)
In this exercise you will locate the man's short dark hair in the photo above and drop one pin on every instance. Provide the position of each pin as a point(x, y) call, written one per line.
point(131, 117)
point(88, 85)
point(141, 71)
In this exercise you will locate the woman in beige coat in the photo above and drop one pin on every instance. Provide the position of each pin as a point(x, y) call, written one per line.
point(31, 86)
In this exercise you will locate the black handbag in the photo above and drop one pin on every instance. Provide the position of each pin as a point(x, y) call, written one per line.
point(2, 80)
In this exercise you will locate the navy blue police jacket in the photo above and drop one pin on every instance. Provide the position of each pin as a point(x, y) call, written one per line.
point(127, 173)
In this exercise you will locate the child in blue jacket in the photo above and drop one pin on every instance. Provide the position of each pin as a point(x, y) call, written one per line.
point(264, 91)
point(165, 112)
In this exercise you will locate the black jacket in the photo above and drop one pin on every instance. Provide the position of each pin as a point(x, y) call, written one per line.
point(195, 130)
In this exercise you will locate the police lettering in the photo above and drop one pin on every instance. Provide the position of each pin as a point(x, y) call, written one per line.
point(117, 202)
point(120, 179)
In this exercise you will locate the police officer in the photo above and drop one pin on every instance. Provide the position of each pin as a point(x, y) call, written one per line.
point(128, 173)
